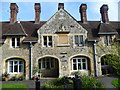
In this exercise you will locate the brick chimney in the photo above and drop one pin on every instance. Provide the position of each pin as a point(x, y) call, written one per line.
point(82, 11)
point(13, 12)
point(104, 13)
point(37, 12)
point(60, 5)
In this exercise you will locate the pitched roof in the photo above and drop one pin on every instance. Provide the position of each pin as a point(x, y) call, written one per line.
point(12, 29)
point(107, 29)
point(29, 28)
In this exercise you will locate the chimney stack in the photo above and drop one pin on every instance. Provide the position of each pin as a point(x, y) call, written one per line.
point(37, 12)
point(13, 12)
point(82, 11)
point(104, 13)
point(60, 5)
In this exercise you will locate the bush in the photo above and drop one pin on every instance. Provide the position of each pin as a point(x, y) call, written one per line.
point(87, 82)
point(116, 83)
point(90, 82)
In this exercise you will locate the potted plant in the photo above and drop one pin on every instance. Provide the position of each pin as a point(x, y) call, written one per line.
point(36, 73)
point(14, 78)
point(5, 76)
point(21, 77)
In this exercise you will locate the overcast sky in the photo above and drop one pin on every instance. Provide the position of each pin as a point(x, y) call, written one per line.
point(50, 7)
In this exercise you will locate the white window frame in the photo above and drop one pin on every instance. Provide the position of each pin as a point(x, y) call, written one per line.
point(79, 45)
point(47, 40)
point(16, 46)
point(18, 72)
point(86, 61)
point(50, 61)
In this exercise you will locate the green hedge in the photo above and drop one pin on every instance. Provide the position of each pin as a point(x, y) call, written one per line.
point(87, 82)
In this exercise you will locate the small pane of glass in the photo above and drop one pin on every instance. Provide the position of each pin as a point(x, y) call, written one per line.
point(84, 65)
point(79, 66)
point(74, 67)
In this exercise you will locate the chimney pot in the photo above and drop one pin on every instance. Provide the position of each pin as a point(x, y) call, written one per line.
point(37, 12)
point(104, 13)
point(13, 12)
point(60, 5)
point(82, 11)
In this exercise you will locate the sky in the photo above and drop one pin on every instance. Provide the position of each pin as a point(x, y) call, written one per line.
point(50, 7)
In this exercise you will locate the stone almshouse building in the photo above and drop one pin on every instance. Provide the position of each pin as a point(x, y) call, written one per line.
point(59, 46)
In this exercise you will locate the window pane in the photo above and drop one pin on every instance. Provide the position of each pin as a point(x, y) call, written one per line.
point(40, 65)
point(48, 65)
point(13, 42)
point(79, 60)
point(43, 63)
point(18, 42)
point(11, 69)
point(83, 60)
point(76, 40)
point(50, 41)
point(84, 65)
point(109, 40)
point(52, 63)
point(81, 40)
point(21, 68)
point(74, 67)
point(79, 66)
point(105, 40)
point(45, 40)
point(74, 60)
point(15, 68)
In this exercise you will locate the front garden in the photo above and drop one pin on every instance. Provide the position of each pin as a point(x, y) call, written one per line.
point(87, 82)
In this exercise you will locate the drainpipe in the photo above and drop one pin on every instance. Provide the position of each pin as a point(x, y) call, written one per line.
point(30, 65)
point(95, 60)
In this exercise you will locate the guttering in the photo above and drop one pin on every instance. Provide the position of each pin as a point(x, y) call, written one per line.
point(30, 65)
point(95, 60)
point(108, 33)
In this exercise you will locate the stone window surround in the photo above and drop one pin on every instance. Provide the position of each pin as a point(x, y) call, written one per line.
point(86, 61)
point(8, 63)
point(74, 40)
point(16, 46)
point(47, 40)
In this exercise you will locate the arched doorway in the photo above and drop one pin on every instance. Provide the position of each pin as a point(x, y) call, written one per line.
point(49, 66)
point(105, 67)
point(80, 63)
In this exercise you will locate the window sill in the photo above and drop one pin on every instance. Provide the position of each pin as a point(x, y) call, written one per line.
point(63, 45)
point(16, 73)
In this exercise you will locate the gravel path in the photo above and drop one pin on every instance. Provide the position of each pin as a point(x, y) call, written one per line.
point(106, 80)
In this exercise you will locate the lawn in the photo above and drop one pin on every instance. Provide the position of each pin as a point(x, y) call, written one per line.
point(17, 85)
point(116, 83)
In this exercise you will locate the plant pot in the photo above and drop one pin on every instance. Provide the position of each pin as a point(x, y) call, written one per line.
point(34, 78)
point(6, 79)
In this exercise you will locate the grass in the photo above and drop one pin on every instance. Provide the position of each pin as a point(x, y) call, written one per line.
point(116, 83)
point(17, 85)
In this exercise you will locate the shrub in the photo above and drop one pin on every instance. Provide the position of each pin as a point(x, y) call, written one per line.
point(90, 82)
point(87, 82)
point(116, 83)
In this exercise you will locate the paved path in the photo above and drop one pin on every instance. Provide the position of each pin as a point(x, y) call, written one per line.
point(106, 80)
